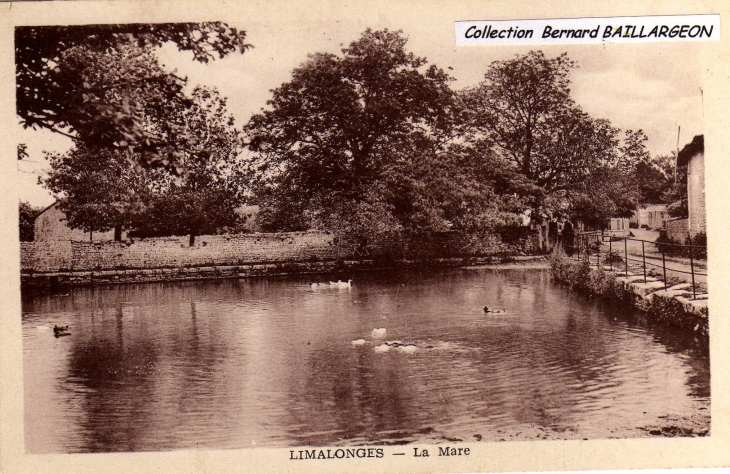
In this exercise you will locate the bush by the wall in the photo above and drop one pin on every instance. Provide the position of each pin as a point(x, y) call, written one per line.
point(669, 246)
point(578, 275)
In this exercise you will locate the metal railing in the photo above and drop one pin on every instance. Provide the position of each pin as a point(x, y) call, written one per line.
point(590, 244)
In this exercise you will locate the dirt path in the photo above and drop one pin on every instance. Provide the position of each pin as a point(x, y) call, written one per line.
point(678, 269)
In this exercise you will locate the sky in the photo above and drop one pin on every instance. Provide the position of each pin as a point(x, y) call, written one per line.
point(655, 87)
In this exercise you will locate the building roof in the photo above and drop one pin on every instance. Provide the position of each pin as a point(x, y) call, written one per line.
point(697, 145)
point(47, 208)
point(654, 207)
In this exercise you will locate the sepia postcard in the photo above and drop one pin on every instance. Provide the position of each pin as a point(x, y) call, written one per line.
point(375, 236)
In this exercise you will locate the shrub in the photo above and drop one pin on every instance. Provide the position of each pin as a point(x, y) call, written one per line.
point(669, 246)
point(699, 240)
point(614, 258)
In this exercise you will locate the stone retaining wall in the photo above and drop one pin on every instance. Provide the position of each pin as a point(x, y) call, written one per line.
point(221, 256)
point(331, 267)
point(174, 252)
point(678, 230)
point(673, 305)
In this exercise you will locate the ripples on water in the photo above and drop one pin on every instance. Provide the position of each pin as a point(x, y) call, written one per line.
point(269, 362)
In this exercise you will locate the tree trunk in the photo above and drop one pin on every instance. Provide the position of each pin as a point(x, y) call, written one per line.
point(527, 157)
point(117, 233)
point(192, 240)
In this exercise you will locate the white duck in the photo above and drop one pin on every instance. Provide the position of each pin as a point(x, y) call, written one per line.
point(408, 349)
point(341, 284)
point(379, 333)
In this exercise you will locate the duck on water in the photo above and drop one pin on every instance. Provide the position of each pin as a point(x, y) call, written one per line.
point(60, 331)
point(332, 284)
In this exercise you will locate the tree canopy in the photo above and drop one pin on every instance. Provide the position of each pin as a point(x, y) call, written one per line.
point(26, 220)
point(374, 140)
point(330, 135)
point(524, 112)
point(370, 143)
point(103, 85)
point(521, 107)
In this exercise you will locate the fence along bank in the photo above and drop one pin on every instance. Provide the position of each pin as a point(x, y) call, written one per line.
point(592, 268)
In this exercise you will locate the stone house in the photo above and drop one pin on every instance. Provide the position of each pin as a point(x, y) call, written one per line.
point(51, 225)
point(619, 226)
point(693, 156)
point(651, 216)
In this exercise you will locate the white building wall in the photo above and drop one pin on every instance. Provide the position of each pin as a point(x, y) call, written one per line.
point(696, 194)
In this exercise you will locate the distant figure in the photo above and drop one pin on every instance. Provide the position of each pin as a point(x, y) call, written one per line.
point(552, 233)
point(561, 228)
point(568, 238)
point(541, 223)
point(525, 217)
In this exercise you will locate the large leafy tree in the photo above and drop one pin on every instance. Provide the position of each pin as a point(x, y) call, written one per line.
point(518, 106)
point(523, 111)
point(324, 141)
point(606, 193)
point(655, 179)
point(97, 189)
point(102, 84)
point(203, 200)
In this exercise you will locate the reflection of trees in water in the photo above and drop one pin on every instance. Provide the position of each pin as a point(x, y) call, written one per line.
point(162, 293)
point(676, 341)
point(113, 377)
point(353, 394)
point(127, 373)
point(163, 365)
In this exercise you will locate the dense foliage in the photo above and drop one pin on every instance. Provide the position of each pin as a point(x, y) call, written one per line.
point(26, 221)
point(103, 86)
point(371, 144)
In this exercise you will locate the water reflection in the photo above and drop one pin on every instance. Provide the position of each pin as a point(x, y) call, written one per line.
point(268, 362)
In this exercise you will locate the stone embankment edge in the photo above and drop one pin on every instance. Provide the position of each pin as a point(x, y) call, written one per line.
point(672, 306)
point(252, 270)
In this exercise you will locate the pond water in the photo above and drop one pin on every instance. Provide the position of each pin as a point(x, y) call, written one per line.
point(270, 363)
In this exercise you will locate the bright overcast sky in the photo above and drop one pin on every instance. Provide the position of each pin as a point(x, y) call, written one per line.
point(654, 86)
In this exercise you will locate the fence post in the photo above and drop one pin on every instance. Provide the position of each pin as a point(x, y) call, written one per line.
point(692, 268)
point(626, 256)
point(598, 253)
point(664, 269)
point(643, 259)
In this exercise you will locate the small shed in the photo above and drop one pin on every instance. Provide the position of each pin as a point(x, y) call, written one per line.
point(51, 224)
point(619, 226)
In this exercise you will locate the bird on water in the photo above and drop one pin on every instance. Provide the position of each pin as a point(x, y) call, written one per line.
point(59, 331)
